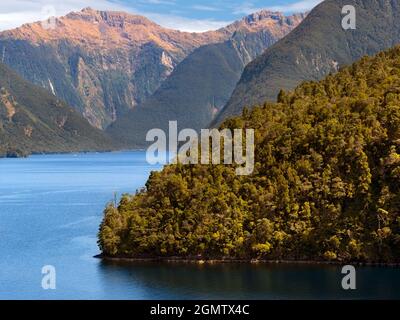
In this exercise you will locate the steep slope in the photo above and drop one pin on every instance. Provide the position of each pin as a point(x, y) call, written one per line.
point(202, 84)
point(34, 121)
point(325, 186)
point(103, 63)
point(317, 47)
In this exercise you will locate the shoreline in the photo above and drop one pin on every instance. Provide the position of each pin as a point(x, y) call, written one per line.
point(199, 261)
point(2, 156)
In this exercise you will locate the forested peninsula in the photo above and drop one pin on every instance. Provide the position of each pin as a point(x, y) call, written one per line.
point(326, 184)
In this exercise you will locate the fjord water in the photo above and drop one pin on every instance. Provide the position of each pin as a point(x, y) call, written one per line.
point(50, 210)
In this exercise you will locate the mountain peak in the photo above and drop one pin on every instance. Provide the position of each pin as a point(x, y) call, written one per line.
point(271, 21)
point(88, 10)
point(262, 15)
point(111, 18)
point(106, 29)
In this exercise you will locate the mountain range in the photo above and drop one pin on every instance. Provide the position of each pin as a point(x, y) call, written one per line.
point(127, 75)
point(104, 63)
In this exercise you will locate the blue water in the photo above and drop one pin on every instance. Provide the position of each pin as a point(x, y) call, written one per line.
point(50, 210)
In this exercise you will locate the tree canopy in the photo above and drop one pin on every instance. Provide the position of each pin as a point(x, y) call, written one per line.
point(326, 184)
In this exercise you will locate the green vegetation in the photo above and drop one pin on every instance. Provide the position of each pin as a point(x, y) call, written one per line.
point(34, 121)
point(316, 48)
point(326, 184)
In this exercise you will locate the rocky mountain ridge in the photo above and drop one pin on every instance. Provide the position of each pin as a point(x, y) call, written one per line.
point(105, 63)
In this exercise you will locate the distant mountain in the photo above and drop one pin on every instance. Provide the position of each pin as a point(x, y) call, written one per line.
point(102, 63)
point(34, 121)
point(105, 63)
point(316, 48)
point(202, 83)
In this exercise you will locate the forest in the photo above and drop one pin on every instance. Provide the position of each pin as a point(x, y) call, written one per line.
point(325, 187)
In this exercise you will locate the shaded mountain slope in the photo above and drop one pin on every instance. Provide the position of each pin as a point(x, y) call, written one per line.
point(317, 47)
point(201, 84)
point(34, 121)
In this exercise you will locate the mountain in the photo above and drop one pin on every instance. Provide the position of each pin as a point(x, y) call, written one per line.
point(325, 185)
point(203, 82)
point(316, 48)
point(34, 121)
point(103, 63)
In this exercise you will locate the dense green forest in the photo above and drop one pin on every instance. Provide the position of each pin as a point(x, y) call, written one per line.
point(326, 184)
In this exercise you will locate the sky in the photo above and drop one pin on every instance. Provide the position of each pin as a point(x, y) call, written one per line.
point(184, 15)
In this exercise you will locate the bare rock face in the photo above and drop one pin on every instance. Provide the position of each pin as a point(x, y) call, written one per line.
point(106, 63)
point(102, 63)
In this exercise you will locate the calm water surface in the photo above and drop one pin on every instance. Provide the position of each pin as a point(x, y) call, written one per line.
point(50, 210)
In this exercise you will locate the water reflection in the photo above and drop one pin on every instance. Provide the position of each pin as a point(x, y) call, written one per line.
point(243, 281)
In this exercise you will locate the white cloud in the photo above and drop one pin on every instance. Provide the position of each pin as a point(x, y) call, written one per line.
point(245, 8)
point(17, 12)
point(299, 6)
point(186, 24)
point(205, 8)
point(164, 2)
